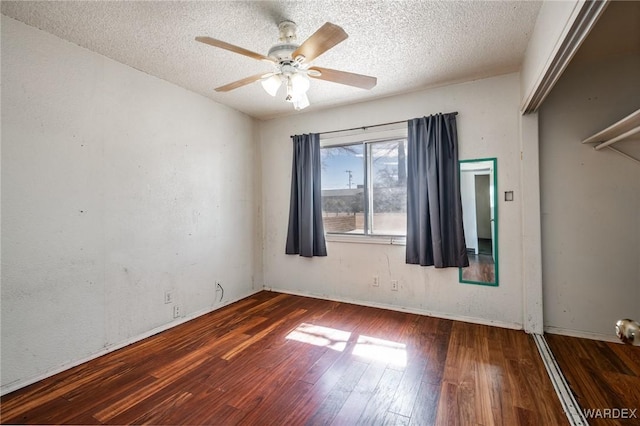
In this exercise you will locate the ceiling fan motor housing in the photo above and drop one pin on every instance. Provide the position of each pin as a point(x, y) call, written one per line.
point(287, 31)
point(282, 52)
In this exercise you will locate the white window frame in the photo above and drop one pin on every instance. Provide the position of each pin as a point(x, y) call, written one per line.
point(365, 136)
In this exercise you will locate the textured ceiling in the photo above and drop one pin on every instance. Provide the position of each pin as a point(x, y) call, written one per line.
point(407, 45)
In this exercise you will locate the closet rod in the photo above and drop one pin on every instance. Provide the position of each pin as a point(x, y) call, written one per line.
point(617, 138)
point(368, 127)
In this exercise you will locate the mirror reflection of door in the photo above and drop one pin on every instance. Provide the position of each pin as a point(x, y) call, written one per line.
point(477, 188)
point(483, 214)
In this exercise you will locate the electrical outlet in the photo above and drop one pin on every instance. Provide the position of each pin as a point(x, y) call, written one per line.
point(168, 297)
point(177, 311)
point(376, 281)
point(394, 285)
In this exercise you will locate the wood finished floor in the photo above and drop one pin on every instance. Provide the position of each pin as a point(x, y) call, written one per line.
point(481, 269)
point(360, 365)
point(601, 375)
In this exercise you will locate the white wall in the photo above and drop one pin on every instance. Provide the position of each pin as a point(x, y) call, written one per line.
point(488, 126)
point(552, 26)
point(590, 201)
point(116, 186)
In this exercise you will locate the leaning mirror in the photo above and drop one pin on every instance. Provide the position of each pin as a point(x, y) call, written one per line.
point(478, 191)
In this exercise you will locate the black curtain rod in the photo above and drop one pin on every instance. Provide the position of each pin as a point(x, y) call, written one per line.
point(368, 127)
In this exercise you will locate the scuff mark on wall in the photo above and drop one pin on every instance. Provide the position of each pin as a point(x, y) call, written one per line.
point(388, 264)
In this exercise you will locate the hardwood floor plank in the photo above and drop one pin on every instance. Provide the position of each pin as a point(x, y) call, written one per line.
point(275, 359)
point(118, 377)
point(356, 402)
point(184, 363)
point(376, 409)
point(260, 335)
point(447, 413)
point(481, 390)
point(336, 398)
point(227, 415)
point(320, 367)
point(437, 355)
point(407, 392)
point(207, 404)
point(217, 343)
point(38, 414)
point(185, 383)
point(602, 375)
point(466, 395)
point(625, 385)
point(87, 405)
point(278, 377)
point(156, 414)
point(277, 406)
point(320, 390)
point(502, 405)
point(425, 408)
point(525, 417)
point(394, 419)
point(45, 391)
point(190, 363)
point(521, 391)
point(631, 358)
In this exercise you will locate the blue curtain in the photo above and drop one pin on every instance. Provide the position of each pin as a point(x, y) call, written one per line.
point(435, 234)
point(306, 232)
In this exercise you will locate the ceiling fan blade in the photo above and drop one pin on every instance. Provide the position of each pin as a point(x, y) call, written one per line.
point(322, 40)
point(239, 83)
point(343, 77)
point(232, 48)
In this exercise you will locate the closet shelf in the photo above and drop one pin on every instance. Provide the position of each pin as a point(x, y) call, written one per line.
point(623, 129)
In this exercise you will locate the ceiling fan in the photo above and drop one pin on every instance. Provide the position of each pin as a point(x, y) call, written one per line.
point(292, 63)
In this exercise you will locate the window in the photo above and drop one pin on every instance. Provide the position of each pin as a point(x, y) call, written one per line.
point(364, 188)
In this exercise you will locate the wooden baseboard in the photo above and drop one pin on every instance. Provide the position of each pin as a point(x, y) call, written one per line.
point(436, 314)
point(583, 334)
point(10, 387)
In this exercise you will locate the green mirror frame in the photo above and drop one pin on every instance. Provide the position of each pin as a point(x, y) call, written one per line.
point(479, 270)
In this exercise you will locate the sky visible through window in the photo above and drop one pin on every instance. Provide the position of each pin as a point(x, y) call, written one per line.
point(340, 163)
point(336, 164)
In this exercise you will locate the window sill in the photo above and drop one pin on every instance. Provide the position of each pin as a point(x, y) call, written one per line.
point(397, 240)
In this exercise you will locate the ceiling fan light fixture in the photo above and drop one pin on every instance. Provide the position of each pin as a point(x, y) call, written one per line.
point(301, 102)
point(299, 84)
point(272, 84)
point(292, 63)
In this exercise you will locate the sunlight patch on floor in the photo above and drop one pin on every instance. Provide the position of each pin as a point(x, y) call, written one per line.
point(381, 350)
point(320, 336)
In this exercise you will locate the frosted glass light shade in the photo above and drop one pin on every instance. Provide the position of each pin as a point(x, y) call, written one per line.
point(301, 102)
point(272, 84)
point(299, 84)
